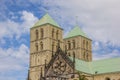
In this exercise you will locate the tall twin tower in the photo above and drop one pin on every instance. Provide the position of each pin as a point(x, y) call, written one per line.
point(44, 38)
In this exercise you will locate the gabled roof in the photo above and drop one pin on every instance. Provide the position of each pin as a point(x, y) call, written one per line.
point(76, 31)
point(63, 55)
point(46, 19)
point(99, 66)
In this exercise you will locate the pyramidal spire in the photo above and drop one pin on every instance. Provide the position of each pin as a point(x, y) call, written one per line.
point(46, 19)
point(76, 31)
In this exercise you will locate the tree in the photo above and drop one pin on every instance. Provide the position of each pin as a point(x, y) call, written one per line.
point(81, 77)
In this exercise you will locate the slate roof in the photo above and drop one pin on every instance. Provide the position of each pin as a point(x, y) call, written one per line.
point(76, 31)
point(99, 66)
point(46, 19)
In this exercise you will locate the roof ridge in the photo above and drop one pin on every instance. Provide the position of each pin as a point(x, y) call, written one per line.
point(106, 59)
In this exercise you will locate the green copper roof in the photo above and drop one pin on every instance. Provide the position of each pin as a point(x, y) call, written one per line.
point(46, 19)
point(83, 66)
point(106, 65)
point(76, 31)
point(99, 66)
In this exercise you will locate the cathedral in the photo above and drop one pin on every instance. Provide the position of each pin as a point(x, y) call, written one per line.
point(53, 57)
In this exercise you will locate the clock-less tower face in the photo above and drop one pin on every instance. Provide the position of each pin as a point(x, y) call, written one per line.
point(59, 67)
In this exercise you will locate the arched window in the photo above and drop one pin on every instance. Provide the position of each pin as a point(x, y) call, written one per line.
point(83, 43)
point(73, 54)
point(41, 45)
point(52, 33)
point(53, 46)
point(36, 32)
point(69, 54)
point(87, 56)
point(107, 78)
point(84, 55)
point(65, 47)
point(57, 34)
point(87, 45)
point(69, 45)
point(36, 44)
point(38, 58)
point(73, 43)
point(42, 33)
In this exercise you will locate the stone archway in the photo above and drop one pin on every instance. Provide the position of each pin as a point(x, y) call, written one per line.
point(107, 78)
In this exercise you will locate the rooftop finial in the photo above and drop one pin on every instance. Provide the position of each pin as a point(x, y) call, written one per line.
point(76, 17)
point(46, 9)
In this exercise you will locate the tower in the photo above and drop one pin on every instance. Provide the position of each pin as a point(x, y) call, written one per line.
point(44, 36)
point(78, 42)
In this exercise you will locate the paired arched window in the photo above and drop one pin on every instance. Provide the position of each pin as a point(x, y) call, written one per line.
point(85, 44)
point(55, 34)
point(42, 32)
point(85, 56)
point(36, 32)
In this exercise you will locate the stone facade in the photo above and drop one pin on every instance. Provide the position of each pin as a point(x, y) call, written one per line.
point(108, 76)
point(79, 45)
point(44, 40)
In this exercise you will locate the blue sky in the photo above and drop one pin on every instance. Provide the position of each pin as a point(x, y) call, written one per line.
point(99, 19)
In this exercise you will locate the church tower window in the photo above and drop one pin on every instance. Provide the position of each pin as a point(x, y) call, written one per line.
point(84, 55)
point(57, 34)
point(69, 54)
point(73, 43)
point(65, 47)
point(87, 45)
point(53, 46)
point(87, 56)
point(36, 44)
point(42, 32)
point(69, 45)
point(41, 45)
point(73, 53)
point(83, 43)
point(52, 33)
point(36, 34)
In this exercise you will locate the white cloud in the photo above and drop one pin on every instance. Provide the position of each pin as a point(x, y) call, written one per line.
point(96, 46)
point(99, 18)
point(114, 53)
point(11, 28)
point(14, 58)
